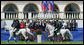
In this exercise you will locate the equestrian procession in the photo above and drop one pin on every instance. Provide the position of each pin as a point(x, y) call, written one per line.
point(55, 28)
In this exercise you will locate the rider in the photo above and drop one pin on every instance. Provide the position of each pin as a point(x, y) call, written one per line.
point(22, 25)
point(43, 25)
point(53, 23)
point(16, 25)
point(74, 24)
point(27, 23)
point(58, 26)
point(68, 25)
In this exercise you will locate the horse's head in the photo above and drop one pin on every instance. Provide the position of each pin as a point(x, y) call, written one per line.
point(6, 28)
point(64, 25)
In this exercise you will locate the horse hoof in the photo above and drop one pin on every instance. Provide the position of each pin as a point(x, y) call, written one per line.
point(26, 40)
point(8, 41)
point(15, 41)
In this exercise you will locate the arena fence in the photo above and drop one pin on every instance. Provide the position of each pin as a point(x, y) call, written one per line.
point(77, 35)
point(42, 15)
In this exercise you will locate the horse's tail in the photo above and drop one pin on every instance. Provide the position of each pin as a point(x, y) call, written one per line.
point(69, 33)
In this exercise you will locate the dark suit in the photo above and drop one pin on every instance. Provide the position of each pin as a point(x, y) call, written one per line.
point(16, 25)
point(68, 26)
point(37, 25)
point(43, 26)
point(53, 23)
point(73, 26)
point(32, 25)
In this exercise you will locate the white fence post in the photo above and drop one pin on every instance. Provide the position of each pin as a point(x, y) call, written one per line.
point(29, 15)
point(2, 16)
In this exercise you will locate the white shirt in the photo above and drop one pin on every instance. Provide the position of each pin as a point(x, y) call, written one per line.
point(27, 24)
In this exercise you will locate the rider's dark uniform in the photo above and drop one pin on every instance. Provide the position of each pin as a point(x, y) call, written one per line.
point(53, 23)
point(16, 25)
point(58, 26)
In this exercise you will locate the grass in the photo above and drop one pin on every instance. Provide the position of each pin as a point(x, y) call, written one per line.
point(43, 42)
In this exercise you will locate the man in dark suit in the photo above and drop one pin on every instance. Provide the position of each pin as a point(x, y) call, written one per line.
point(56, 27)
point(48, 21)
point(74, 25)
point(32, 24)
point(16, 25)
point(43, 25)
point(37, 24)
point(68, 25)
point(53, 23)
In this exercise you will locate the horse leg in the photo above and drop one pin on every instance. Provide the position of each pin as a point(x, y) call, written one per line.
point(62, 35)
point(11, 34)
point(15, 39)
point(70, 34)
point(17, 33)
point(51, 33)
point(28, 30)
point(23, 33)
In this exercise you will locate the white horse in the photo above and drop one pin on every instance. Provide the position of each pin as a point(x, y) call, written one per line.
point(50, 28)
point(21, 31)
point(62, 31)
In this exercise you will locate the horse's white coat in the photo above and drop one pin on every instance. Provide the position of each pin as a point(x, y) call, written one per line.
point(51, 29)
point(62, 31)
point(22, 31)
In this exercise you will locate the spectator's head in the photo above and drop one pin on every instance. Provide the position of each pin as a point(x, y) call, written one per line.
point(22, 21)
point(57, 20)
point(74, 20)
point(16, 18)
point(69, 20)
point(33, 20)
point(47, 22)
point(37, 20)
point(53, 20)
point(27, 20)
